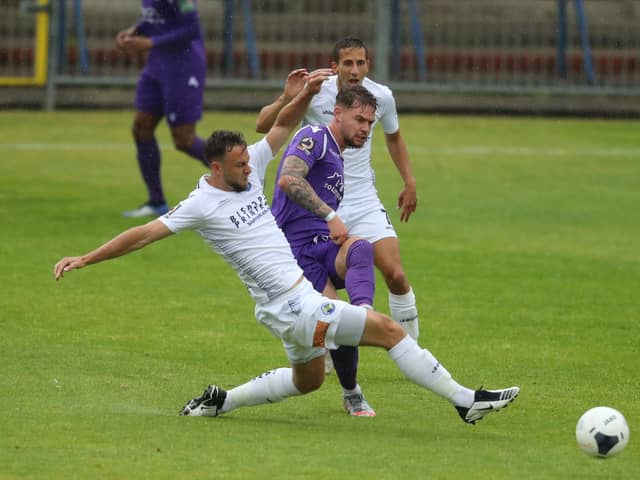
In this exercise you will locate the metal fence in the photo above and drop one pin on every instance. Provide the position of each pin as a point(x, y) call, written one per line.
point(590, 46)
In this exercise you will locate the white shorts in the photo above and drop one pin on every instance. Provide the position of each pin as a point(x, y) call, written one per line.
point(370, 221)
point(306, 322)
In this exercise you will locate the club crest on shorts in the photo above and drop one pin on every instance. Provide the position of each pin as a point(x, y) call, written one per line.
point(328, 308)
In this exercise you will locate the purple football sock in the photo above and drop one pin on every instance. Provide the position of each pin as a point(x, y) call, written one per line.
point(360, 278)
point(196, 150)
point(360, 285)
point(345, 361)
point(149, 163)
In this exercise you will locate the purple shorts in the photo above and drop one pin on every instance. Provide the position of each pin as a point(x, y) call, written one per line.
point(178, 97)
point(318, 261)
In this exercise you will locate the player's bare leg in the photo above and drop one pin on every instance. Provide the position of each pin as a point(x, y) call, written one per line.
point(402, 301)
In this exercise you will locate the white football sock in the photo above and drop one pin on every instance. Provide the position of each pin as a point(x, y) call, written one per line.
point(270, 387)
point(422, 368)
point(404, 311)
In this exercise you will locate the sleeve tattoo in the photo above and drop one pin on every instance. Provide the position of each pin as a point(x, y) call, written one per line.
point(298, 188)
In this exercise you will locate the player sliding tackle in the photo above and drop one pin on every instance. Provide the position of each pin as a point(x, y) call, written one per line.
point(229, 210)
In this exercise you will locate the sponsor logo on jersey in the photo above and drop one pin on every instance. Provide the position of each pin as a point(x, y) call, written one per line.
point(335, 185)
point(193, 82)
point(306, 145)
point(251, 212)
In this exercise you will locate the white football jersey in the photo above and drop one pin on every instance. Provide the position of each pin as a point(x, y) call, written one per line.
point(240, 227)
point(359, 177)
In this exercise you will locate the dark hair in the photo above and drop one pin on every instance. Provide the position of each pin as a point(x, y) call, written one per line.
point(348, 42)
point(356, 96)
point(221, 142)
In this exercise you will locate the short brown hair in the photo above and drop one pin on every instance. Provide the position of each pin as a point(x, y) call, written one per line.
point(348, 42)
point(221, 142)
point(356, 96)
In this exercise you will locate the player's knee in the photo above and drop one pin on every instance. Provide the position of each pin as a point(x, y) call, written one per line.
point(395, 278)
point(182, 144)
point(360, 252)
point(308, 385)
point(387, 332)
point(141, 133)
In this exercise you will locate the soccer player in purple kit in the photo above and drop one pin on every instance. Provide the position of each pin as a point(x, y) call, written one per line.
point(170, 86)
point(308, 191)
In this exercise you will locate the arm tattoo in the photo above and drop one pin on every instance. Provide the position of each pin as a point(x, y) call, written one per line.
point(298, 189)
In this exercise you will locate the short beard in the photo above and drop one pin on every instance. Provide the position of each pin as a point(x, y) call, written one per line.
point(238, 188)
point(350, 144)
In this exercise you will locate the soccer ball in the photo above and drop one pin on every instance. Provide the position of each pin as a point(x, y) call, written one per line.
point(602, 432)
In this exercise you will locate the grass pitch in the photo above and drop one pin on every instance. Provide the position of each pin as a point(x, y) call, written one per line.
point(524, 254)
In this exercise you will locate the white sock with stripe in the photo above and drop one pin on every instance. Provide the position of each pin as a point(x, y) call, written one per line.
point(404, 311)
point(270, 387)
point(422, 368)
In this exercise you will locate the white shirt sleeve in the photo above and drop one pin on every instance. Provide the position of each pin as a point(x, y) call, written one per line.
point(186, 215)
point(260, 154)
point(388, 112)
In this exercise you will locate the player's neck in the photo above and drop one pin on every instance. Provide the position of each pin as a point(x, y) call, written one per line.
point(219, 183)
point(335, 133)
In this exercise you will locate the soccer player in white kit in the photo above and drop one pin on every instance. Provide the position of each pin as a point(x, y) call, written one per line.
point(361, 209)
point(230, 211)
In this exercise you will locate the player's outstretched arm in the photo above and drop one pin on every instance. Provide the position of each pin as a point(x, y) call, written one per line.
point(407, 198)
point(294, 84)
point(291, 115)
point(128, 241)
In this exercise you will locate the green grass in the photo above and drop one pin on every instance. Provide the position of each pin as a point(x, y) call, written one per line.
point(524, 255)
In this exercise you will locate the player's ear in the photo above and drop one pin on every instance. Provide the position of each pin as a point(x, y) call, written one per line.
point(337, 111)
point(334, 67)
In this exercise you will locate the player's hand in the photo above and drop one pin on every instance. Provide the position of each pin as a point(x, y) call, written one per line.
point(295, 83)
point(337, 230)
point(67, 264)
point(407, 202)
point(122, 36)
point(314, 79)
point(133, 44)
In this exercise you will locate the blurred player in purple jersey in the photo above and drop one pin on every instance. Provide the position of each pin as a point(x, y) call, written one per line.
point(308, 191)
point(170, 86)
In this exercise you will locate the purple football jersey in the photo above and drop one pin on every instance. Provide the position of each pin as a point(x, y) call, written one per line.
point(174, 27)
point(173, 80)
point(319, 150)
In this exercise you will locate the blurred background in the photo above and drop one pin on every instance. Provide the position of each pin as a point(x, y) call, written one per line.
point(565, 57)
